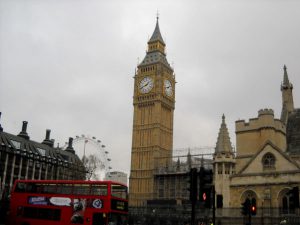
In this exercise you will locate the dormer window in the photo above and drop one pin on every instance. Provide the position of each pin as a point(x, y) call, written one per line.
point(268, 161)
point(16, 144)
point(42, 151)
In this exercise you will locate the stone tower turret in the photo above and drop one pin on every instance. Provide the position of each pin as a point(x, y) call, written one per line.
point(287, 97)
point(224, 165)
point(223, 143)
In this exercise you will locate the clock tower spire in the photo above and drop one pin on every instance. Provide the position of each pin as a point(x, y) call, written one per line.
point(154, 103)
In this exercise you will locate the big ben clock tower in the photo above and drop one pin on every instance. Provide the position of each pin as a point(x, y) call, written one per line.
point(154, 102)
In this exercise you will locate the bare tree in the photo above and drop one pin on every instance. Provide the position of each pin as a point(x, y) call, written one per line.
point(92, 164)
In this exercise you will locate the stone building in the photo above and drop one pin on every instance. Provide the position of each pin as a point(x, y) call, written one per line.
point(22, 158)
point(266, 166)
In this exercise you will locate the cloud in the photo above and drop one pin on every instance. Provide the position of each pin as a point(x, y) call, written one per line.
point(69, 65)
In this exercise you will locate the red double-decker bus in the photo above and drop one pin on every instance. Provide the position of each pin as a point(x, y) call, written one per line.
point(65, 202)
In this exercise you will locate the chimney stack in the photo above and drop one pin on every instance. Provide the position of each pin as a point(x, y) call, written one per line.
point(47, 140)
point(48, 134)
point(23, 133)
point(70, 146)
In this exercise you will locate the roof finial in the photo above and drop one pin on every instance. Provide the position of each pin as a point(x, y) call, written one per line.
point(157, 16)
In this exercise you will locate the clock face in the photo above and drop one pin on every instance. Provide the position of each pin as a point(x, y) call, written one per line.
point(146, 85)
point(168, 88)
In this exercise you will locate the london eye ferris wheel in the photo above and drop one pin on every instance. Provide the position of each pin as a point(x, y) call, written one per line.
point(86, 146)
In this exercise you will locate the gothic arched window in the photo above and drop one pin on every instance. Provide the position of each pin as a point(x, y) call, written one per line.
point(268, 161)
point(288, 203)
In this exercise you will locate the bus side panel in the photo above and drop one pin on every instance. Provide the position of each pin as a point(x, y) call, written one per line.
point(23, 213)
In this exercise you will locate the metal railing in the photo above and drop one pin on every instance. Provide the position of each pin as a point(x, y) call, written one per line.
point(181, 215)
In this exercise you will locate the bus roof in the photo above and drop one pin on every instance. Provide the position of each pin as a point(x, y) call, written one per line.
point(70, 182)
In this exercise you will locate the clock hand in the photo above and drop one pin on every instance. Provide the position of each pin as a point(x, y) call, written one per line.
point(145, 85)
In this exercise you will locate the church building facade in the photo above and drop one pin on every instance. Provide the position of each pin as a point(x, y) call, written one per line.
point(266, 165)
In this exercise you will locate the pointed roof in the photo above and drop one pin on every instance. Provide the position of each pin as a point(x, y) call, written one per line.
point(156, 55)
point(286, 83)
point(285, 76)
point(223, 143)
point(156, 36)
point(265, 149)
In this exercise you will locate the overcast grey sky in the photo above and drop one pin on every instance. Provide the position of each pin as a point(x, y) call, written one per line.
point(68, 65)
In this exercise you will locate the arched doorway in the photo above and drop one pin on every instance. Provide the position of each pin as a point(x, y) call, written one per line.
point(250, 195)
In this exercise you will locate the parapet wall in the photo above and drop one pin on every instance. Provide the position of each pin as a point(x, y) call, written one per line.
point(265, 119)
point(252, 136)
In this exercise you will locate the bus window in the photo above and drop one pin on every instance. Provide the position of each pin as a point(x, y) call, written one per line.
point(42, 213)
point(81, 189)
point(50, 188)
point(20, 187)
point(64, 188)
point(119, 191)
point(99, 189)
point(31, 188)
point(39, 188)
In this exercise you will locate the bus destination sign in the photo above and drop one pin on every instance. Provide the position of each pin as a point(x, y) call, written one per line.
point(119, 205)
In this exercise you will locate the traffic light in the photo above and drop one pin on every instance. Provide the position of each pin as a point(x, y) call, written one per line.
point(295, 196)
point(205, 186)
point(246, 207)
point(253, 210)
point(253, 207)
point(219, 201)
point(193, 184)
